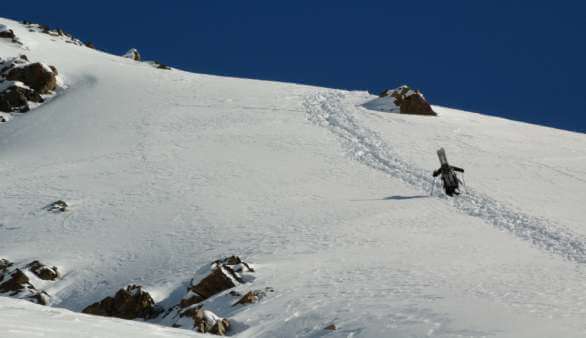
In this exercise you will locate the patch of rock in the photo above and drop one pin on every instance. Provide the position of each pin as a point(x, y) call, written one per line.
point(53, 32)
point(331, 327)
point(253, 296)
point(23, 82)
point(7, 33)
point(203, 321)
point(18, 282)
point(402, 100)
point(225, 274)
point(132, 54)
point(129, 303)
point(43, 271)
point(57, 206)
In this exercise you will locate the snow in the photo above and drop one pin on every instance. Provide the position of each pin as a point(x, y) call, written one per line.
point(8, 84)
point(168, 171)
point(4, 28)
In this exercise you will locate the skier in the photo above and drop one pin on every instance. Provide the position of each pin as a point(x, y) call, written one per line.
point(450, 180)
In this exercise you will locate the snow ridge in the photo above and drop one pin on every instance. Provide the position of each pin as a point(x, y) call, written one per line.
point(329, 110)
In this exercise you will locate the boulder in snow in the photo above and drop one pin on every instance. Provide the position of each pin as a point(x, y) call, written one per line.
point(129, 303)
point(226, 274)
point(15, 97)
point(39, 77)
point(4, 265)
point(403, 100)
point(205, 321)
point(331, 327)
point(17, 284)
point(252, 297)
point(132, 54)
point(43, 271)
point(6, 33)
point(57, 206)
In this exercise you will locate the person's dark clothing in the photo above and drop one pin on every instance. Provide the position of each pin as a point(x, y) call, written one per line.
point(449, 179)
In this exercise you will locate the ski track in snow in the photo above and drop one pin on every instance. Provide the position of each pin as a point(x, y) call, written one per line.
point(330, 110)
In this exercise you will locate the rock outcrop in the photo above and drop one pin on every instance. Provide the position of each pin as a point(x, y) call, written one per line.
point(37, 76)
point(15, 97)
point(253, 296)
point(129, 303)
point(6, 33)
point(132, 54)
point(55, 33)
point(4, 265)
point(23, 82)
point(409, 101)
point(14, 282)
point(226, 274)
point(57, 206)
point(43, 271)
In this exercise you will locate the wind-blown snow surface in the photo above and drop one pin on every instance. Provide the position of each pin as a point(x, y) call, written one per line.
point(169, 170)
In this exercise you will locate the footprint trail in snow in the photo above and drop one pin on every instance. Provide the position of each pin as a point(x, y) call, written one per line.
point(330, 110)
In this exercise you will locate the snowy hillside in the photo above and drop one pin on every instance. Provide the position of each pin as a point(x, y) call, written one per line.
point(166, 171)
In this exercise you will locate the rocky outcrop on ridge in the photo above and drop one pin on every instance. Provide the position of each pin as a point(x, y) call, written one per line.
point(225, 274)
point(402, 100)
point(23, 82)
point(409, 101)
point(129, 303)
point(18, 282)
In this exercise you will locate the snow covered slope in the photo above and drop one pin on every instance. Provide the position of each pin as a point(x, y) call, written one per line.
point(168, 170)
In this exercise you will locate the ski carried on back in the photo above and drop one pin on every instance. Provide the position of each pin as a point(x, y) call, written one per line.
point(450, 180)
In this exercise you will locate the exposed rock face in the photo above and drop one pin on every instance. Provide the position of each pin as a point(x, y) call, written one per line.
point(331, 327)
point(6, 33)
point(159, 65)
point(56, 33)
point(17, 284)
point(252, 297)
point(4, 265)
point(129, 303)
point(15, 97)
point(57, 206)
point(14, 282)
point(42, 271)
point(40, 78)
point(226, 274)
point(132, 54)
point(22, 82)
point(205, 321)
point(409, 101)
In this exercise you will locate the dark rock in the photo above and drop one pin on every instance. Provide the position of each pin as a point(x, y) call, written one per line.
point(4, 265)
point(217, 281)
point(16, 98)
point(132, 54)
point(57, 206)
point(7, 34)
point(41, 298)
point(159, 65)
point(42, 271)
point(36, 76)
point(249, 298)
point(16, 282)
point(90, 45)
point(331, 327)
point(129, 303)
point(409, 101)
point(252, 297)
point(205, 321)
point(225, 274)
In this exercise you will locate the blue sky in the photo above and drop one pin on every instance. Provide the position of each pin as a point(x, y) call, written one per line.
point(522, 60)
